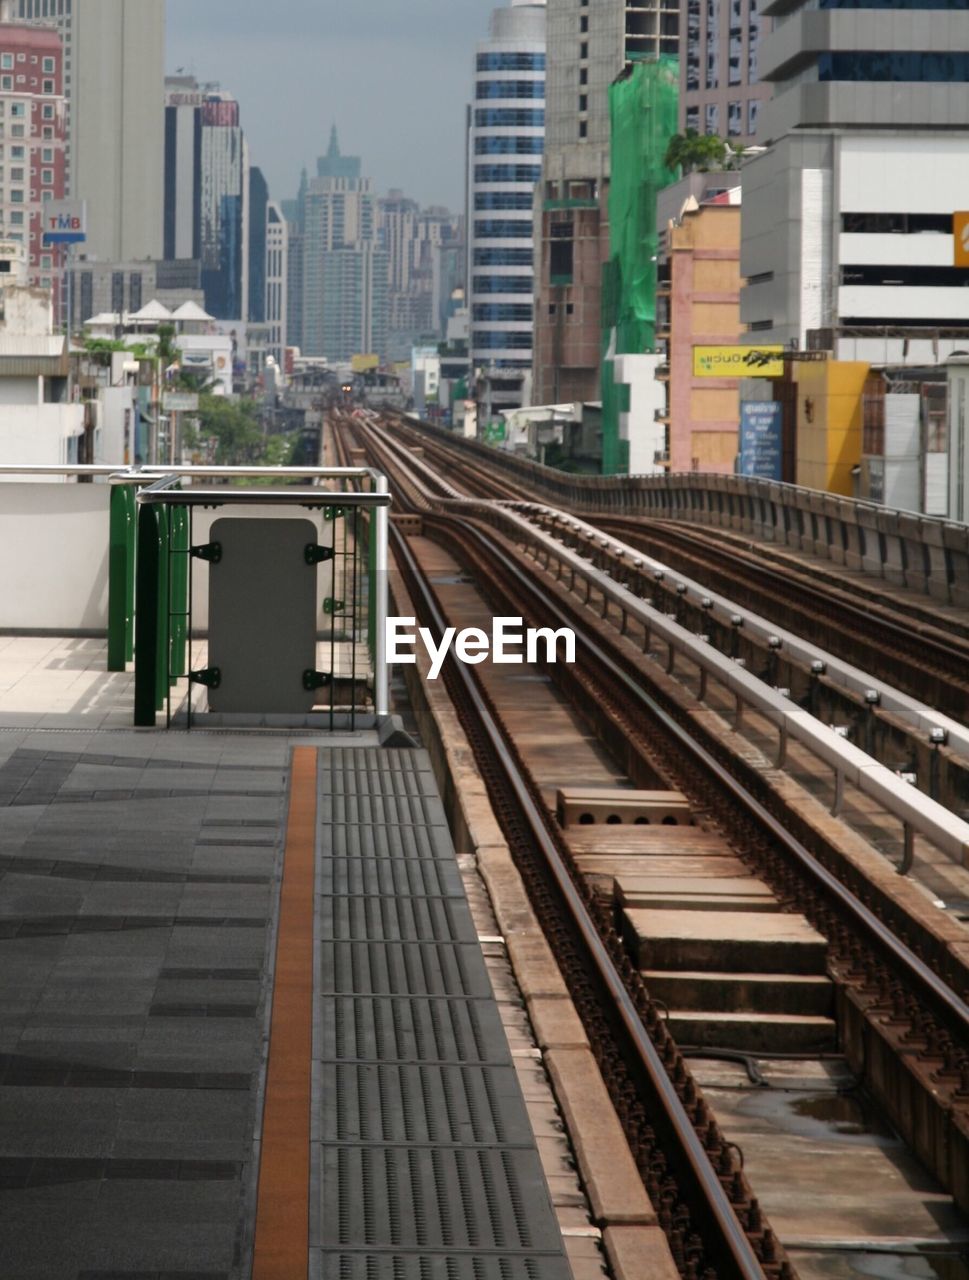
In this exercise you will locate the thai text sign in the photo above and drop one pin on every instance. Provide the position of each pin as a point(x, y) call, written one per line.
point(761, 435)
point(738, 362)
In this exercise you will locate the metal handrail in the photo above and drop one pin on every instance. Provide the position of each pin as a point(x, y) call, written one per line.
point(916, 811)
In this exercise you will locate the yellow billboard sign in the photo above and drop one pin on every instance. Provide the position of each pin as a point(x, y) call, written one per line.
point(738, 362)
point(960, 239)
point(364, 364)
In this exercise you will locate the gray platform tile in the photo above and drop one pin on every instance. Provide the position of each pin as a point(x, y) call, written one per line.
point(405, 918)
point(207, 1125)
point(420, 1104)
point(383, 810)
point(378, 877)
point(101, 1000)
point(426, 1264)
point(137, 1228)
point(225, 900)
point(207, 991)
point(243, 807)
point(131, 897)
point(408, 1029)
point(402, 968)
point(473, 1198)
point(360, 841)
point(49, 1123)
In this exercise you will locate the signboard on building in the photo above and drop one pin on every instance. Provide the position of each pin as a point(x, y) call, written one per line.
point(761, 438)
point(364, 363)
point(65, 221)
point(960, 239)
point(738, 362)
point(180, 402)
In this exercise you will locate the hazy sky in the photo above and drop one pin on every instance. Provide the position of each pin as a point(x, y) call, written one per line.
point(394, 75)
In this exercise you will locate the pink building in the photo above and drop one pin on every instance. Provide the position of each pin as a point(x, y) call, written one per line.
point(32, 141)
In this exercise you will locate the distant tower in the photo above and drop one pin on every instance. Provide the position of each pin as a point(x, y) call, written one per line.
point(507, 141)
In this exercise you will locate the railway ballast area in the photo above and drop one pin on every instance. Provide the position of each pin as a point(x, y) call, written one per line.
point(739, 817)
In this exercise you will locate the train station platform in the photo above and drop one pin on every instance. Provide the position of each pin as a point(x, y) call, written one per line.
point(246, 1025)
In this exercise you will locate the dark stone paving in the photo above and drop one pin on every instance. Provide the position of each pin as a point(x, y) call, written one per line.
point(137, 884)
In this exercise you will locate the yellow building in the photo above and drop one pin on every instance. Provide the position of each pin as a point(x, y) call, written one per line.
point(829, 422)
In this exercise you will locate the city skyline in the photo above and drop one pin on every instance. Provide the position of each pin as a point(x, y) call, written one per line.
point(420, 57)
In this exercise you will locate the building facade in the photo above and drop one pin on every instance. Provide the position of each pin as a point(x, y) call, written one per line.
point(343, 301)
point(721, 91)
point(114, 81)
point(587, 49)
point(277, 282)
point(257, 242)
point(33, 169)
point(224, 205)
point(506, 144)
point(848, 228)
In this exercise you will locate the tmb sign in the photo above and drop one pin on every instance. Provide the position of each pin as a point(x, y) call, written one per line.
point(65, 221)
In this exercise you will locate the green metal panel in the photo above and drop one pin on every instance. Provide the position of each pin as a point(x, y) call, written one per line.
point(146, 617)
point(121, 577)
point(164, 608)
point(180, 544)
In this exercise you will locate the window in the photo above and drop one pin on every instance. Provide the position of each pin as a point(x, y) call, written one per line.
point(49, 66)
point(583, 75)
point(17, 131)
point(500, 340)
point(17, 218)
point(16, 175)
point(47, 155)
point(510, 89)
point(753, 111)
point(17, 153)
point(519, 200)
point(48, 86)
point(584, 49)
point(16, 195)
point(6, 84)
point(48, 111)
point(511, 61)
point(693, 119)
point(583, 128)
point(47, 177)
point(926, 68)
point(507, 173)
point(509, 118)
point(711, 118)
point(502, 311)
point(503, 229)
point(735, 119)
point(6, 61)
point(517, 257)
point(18, 110)
point(584, 23)
point(502, 284)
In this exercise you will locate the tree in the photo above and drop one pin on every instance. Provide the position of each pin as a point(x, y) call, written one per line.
point(690, 152)
point(232, 432)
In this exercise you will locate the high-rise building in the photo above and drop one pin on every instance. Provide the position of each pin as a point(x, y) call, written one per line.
point(277, 281)
point(585, 55)
point(207, 193)
point(847, 226)
point(114, 80)
point(720, 87)
point(32, 116)
point(506, 144)
point(339, 215)
point(258, 225)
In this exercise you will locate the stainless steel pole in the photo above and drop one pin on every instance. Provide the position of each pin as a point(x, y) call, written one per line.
point(381, 675)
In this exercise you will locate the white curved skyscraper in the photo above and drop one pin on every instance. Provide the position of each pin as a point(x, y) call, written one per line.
point(505, 164)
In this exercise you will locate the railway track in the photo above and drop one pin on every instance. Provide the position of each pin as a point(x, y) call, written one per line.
point(923, 660)
point(892, 988)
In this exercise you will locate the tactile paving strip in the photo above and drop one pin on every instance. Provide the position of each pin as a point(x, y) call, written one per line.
point(425, 1164)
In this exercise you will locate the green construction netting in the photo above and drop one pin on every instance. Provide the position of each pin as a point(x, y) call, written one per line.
point(643, 106)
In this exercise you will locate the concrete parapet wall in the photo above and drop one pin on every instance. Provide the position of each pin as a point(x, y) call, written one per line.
point(54, 557)
point(922, 552)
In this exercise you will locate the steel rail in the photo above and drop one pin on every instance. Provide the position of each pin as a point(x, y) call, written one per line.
point(733, 1237)
point(932, 985)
